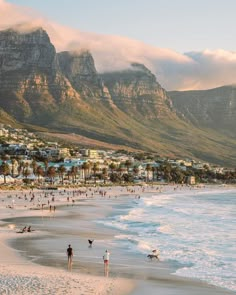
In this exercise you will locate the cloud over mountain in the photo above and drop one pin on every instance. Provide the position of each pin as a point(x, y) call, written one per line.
point(191, 70)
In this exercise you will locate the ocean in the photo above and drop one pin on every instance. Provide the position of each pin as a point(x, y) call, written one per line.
point(195, 230)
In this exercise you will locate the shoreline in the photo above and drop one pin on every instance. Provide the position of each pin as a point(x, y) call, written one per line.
point(19, 275)
point(134, 285)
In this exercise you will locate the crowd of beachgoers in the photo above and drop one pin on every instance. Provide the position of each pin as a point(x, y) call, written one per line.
point(20, 276)
point(23, 277)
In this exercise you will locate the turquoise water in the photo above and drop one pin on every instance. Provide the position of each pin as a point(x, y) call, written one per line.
point(192, 228)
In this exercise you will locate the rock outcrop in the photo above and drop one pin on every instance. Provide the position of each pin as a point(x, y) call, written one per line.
point(36, 82)
point(31, 87)
point(79, 69)
point(137, 91)
point(214, 108)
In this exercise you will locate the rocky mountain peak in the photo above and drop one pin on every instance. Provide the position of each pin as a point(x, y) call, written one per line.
point(79, 68)
point(37, 36)
point(132, 82)
point(30, 83)
point(25, 51)
point(74, 64)
point(136, 90)
point(141, 68)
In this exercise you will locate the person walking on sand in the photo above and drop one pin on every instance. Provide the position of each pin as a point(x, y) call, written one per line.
point(70, 256)
point(106, 258)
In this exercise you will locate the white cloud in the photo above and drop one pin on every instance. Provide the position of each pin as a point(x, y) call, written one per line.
point(193, 70)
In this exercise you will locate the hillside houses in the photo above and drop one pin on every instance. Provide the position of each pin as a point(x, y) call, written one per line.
point(26, 157)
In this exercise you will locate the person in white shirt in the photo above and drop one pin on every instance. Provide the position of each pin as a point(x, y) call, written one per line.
point(106, 258)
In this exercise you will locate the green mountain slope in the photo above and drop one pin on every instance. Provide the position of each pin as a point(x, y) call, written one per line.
point(63, 92)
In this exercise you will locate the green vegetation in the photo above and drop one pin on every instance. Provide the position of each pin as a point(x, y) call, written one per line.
point(63, 93)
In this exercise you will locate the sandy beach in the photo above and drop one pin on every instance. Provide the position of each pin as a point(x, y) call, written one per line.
point(22, 274)
point(21, 277)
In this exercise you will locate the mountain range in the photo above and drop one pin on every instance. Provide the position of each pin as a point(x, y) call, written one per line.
point(62, 93)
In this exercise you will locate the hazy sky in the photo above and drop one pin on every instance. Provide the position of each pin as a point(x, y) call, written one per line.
point(187, 44)
point(182, 25)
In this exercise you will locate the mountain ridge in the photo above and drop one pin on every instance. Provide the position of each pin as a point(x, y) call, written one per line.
point(64, 92)
point(213, 108)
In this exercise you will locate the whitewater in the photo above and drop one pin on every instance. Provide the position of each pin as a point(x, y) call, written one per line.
point(194, 229)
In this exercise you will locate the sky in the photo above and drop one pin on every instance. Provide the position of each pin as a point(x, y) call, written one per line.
point(187, 44)
point(181, 25)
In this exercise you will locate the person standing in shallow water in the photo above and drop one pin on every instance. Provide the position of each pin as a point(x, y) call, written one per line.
point(106, 258)
point(70, 256)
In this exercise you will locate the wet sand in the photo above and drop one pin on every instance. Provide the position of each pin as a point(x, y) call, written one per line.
point(150, 278)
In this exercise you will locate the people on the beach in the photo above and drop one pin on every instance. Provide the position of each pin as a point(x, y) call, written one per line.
point(24, 229)
point(70, 256)
point(106, 258)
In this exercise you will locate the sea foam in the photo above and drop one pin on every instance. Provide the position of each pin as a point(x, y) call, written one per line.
point(195, 228)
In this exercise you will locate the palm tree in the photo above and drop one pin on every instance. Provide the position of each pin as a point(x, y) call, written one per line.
point(136, 170)
point(34, 166)
point(95, 169)
point(104, 174)
point(121, 171)
point(13, 161)
point(148, 169)
point(85, 168)
point(20, 167)
point(61, 171)
point(4, 157)
point(112, 167)
point(128, 164)
point(158, 172)
point(177, 175)
point(167, 172)
point(39, 172)
point(45, 165)
point(51, 172)
point(153, 173)
point(4, 170)
point(73, 173)
point(26, 170)
point(76, 171)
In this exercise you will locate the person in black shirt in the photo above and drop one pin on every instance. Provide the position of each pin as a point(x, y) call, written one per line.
point(69, 255)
